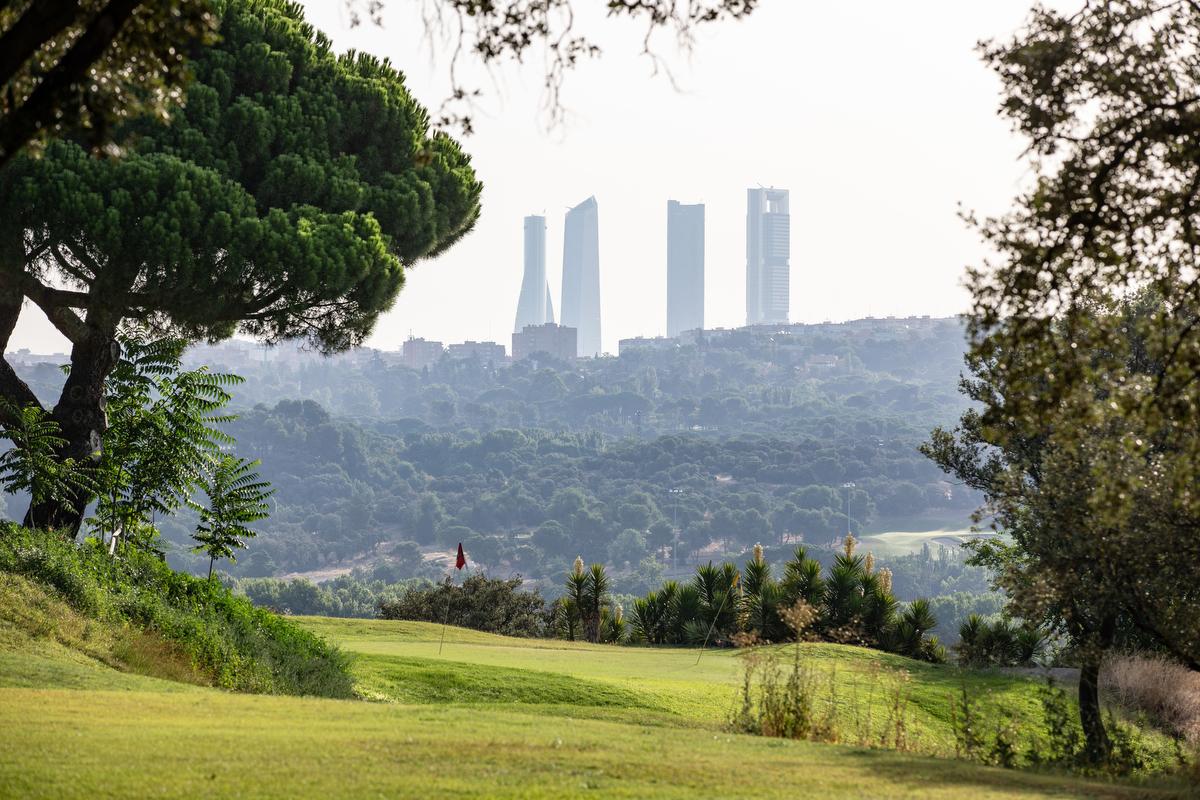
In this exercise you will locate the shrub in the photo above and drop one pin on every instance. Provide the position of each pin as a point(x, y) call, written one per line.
point(238, 646)
point(1165, 690)
point(1001, 643)
point(494, 605)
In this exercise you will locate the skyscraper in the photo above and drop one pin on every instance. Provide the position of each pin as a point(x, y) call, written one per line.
point(534, 306)
point(768, 247)
point(581, 276)
point(685, 267)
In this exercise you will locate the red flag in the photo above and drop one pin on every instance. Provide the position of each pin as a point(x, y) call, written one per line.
point(462, 559)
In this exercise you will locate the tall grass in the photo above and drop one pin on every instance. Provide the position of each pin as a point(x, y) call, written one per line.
point(238, 646)
point(1166, 690)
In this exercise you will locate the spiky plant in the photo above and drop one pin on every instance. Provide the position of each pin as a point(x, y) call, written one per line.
point(802, 579)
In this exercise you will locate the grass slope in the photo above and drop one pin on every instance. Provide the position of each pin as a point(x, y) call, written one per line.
point(394, 659)
point(489, 717)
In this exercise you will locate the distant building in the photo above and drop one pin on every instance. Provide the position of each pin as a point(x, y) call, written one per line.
point(685, 267)
point(421, 353)
point(581, 276)
point(559, 341)
point(626, 346)
point(768, 251)
point(487, 352)
point(534, 306)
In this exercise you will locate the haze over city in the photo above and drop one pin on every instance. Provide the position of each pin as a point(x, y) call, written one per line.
point(877, 160)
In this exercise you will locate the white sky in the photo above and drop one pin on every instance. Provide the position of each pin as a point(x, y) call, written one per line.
point(878, 116)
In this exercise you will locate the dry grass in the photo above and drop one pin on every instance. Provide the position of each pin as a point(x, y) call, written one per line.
point(1166, 691)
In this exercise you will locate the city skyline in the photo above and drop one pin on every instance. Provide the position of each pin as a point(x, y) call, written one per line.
point(878, 230)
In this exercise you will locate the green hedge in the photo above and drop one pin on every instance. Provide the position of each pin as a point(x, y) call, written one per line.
point(241, 647)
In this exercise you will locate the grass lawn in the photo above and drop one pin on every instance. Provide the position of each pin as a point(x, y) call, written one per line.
point(489, 717)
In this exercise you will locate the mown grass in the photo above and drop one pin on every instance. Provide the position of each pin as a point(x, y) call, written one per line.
point(205, 743)
point(394, 658)
point(488, 717)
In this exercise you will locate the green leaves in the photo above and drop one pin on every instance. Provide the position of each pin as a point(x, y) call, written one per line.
point(164, 428)
point(32, 464)
point(237, 498)
point(285, 201)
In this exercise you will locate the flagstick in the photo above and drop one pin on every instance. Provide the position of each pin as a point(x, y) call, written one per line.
point(714, 623)
point(445, 617)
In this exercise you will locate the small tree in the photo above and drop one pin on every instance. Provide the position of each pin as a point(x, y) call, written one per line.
point(163, 431)
point(32, 465)
point(237, 497)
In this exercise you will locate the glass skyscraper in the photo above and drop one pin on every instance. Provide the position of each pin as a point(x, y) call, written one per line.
point(685, 267)
point(768, 249)
point(534, 306)
point(581, 276)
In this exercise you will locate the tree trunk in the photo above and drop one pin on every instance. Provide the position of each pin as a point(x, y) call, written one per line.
point(211, 560)
point(1097, 746)
point(82, 421)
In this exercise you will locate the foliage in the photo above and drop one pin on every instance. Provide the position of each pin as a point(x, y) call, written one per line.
point(73, 68)
point(587, 604)
point(30, 465)
point(499, 32)
point(1084, 335)
point(494, 605)
point(999, 643)
point(852, 604)
point(236, 645)
point(237, 498)
point(285, 200)
point(164, 432)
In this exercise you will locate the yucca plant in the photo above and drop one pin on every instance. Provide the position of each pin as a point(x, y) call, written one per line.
point(588, 589)
point(565, 619)
point(612, 625)
point(686, 610)
point(878, 611)
point(802, 579)
point(237, 498)
point(843, 600)
point(970, 639)
point(1030, 643)
point(644, 619)
point(718, 590)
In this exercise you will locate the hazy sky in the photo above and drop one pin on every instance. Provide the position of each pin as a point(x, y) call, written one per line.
point(878, 116)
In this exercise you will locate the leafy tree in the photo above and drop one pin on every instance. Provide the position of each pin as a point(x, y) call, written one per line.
point(1087, 443)
point(237, 498)
point(1110, 93)
point(487, 604)
point(164, 428)
point(71, 67)
point(285, 200)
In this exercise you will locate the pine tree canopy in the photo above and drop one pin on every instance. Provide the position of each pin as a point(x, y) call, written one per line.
point(285, 199)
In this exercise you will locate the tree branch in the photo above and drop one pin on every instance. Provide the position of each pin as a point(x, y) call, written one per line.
point(56, 304)
point(39, 109)
point(41, 22)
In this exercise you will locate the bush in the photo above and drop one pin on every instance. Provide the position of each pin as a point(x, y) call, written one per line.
point(998, 644)
point(238, 646)
point(486, 604)
point(1167, 691)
